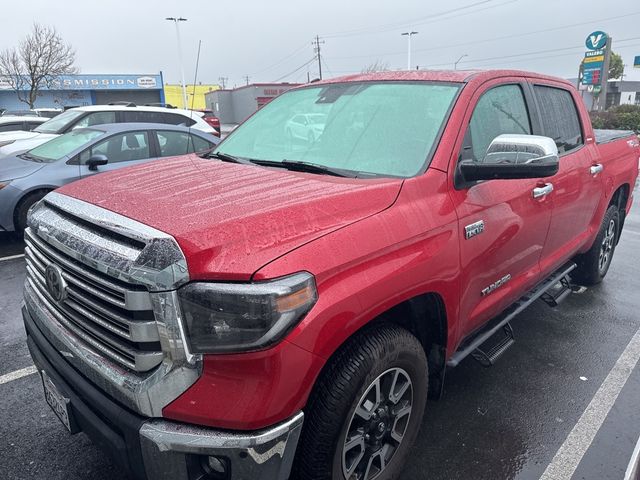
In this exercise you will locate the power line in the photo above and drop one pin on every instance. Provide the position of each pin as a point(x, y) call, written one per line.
point(282, 60)
point(416, 21)
point(486, 40)
point(296, 70)
point(525, 54)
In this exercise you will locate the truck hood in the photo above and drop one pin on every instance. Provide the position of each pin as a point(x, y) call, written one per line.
point(12, 168)
point(231, 219)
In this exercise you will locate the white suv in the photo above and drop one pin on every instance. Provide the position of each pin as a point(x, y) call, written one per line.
point(12, 143)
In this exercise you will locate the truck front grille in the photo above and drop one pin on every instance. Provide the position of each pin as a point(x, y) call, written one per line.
point(112, 317)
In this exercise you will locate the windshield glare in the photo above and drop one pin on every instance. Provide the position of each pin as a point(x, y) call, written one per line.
point(63, 145)
point(380, 128)
point(59, 123)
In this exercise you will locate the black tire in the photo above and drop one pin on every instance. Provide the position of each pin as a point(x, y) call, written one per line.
point(594, 265)
point(20, 215)
point(386, 354)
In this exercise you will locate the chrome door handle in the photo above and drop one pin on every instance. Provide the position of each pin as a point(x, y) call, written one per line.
point(542, 191)
point(596, 169)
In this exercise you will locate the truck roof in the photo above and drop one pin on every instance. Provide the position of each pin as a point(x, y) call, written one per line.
point(460, 76)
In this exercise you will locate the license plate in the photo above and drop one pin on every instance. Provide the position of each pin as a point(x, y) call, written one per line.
point(58, 403)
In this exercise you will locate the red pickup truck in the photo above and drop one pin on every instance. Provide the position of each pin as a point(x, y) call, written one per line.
point(288, 303)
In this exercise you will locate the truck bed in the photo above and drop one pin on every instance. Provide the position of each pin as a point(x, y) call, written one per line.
point(606, 136)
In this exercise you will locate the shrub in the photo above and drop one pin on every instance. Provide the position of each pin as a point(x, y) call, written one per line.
point(621, 117)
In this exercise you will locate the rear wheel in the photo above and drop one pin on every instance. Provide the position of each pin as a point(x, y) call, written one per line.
point(20, 215)
point(594, 265)
point(366, 409)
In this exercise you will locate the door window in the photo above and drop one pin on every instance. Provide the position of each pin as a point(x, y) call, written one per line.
point(177, 119)
point(173, 143)
point(142, 116)
point(124, 147)
point(559, 116)
point(499, 111)
point(200, 144)
point(96, 118)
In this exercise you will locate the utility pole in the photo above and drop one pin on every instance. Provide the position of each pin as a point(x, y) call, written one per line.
point(223, 81)
point(409, 35)
point(316, 44)
point(246, 79)
point(176, 20)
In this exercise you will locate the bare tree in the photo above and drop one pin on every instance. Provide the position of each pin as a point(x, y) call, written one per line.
point(377, 66)
point(36, 63)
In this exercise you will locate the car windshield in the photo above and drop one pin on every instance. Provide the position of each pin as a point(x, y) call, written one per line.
point(59, 123)
point(381, 128)
point(62, 146)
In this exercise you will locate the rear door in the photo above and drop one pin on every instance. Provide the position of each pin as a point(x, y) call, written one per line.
point(502, 226)
point(576, 191)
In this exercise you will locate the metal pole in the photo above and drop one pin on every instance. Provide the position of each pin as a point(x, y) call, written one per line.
point(455, 65)
point(605, 75)
point(175, 20)
point(409, 35)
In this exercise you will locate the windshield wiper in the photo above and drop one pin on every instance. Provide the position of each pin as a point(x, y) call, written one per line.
point(298, 166)
point(27, 156)
point(229, 158)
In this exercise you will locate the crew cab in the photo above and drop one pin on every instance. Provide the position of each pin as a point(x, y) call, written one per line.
point(288, 304)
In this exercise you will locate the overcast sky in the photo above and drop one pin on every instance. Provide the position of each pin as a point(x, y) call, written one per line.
point(268, 40)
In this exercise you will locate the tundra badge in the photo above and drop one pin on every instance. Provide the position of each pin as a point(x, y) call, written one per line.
point(474, 229)
point(497, 284)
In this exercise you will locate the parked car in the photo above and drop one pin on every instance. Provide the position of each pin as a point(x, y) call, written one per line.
point(48, 112)
point(18, 142)
point(210, 117)
point(27, 177)
point(293, 304)
point(12, 124)
point(19, 113)
point(306, 126)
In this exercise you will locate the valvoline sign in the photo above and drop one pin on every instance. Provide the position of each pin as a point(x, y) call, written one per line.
point(596, 40)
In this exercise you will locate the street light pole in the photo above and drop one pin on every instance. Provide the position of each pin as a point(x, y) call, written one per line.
point(175, 20)
point(455, 65)
point(409, 35)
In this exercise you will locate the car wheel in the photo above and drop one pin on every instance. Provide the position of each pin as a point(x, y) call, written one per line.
point(594, 265)
point(20, 215)
point(366, 409)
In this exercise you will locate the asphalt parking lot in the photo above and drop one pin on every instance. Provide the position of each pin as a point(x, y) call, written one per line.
point(561, 403)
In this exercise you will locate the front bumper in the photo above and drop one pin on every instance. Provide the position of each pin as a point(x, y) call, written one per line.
point(153, 448)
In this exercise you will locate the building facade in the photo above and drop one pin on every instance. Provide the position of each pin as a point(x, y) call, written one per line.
point(236, 105)
point(85, 89)
point(195, 95)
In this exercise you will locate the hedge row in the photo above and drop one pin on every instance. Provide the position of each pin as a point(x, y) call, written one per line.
point(622, 117)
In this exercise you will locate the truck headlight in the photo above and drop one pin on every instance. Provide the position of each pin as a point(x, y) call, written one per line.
point(237, 317)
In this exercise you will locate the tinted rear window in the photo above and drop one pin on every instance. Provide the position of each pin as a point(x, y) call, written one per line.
point(559, 116)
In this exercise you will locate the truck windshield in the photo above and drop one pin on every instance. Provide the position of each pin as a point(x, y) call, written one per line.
point(61, 146)
point(59, 123)
point(381, 128)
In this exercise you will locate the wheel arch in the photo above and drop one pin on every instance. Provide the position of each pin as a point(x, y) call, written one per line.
point(41, 190)
point(424, 316)
point(620, 198)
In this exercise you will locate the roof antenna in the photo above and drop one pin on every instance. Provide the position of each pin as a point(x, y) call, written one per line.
point(193, 97)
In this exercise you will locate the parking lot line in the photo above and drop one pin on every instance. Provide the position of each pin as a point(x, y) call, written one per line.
point(11, 257)
point(634, 464)
point(570, 453)
point(23, 372)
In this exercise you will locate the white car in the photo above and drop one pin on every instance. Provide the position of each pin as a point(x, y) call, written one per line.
point(13, 143)
point(306, 126)
point(10, 123)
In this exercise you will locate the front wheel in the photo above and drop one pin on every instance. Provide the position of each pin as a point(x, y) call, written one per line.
point(366, 410)
point(594, 265)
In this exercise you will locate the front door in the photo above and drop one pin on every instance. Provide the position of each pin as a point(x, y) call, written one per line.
point(121, 150)
point(502, 226)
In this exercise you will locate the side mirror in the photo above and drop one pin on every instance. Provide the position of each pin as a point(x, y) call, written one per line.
point(513, 157)
point(97, 160)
